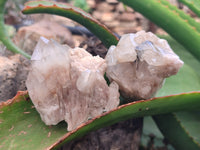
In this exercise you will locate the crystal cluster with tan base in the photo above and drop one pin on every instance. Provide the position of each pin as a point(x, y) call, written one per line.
point(68, 84)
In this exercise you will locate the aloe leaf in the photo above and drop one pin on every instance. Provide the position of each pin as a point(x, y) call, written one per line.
point(184, 125)
point(182, 135)
point(4, 37)
point(76, 14)
point(171, 124)
point(187, 79)
point(151, 136)
point(174, 21)
point(21, 127)
point(194, 5)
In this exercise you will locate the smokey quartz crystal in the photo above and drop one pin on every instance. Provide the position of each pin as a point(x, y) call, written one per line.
point(68, 84)
point(139, 64)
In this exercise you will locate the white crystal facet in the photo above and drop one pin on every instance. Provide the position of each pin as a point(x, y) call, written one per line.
point(68, 84)
point(142, 62)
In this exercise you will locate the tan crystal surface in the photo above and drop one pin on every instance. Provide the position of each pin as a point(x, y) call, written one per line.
point(140, 63)
point(68, 84)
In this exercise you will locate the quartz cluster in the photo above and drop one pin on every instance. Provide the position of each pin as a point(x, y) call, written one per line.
point(68, 84)
point(139, 64)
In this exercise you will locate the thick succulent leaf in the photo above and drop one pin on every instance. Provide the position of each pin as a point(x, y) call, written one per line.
point(173, 20)
point(181, 129)
point(192, 120)
point(173, 125)
point(152, 138)
point(4, 37)
point(186, 80)
point(75, 14)
point(151, 130)
point(194, 5)
point(21, 127)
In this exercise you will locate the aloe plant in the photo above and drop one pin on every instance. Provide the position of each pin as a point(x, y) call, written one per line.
point(194, 5)
point(20, 123)
point(4, 35)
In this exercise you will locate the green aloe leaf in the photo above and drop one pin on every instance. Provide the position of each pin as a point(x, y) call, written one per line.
point(179, 25)
point(181, 128)
point(187, 79)
point(21, 127)
point(150, 130)
point(194, 5)
point(171, 125)
point(76, 14)
point(4, 37)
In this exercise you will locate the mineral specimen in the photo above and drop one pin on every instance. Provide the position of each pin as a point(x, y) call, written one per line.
point(68, 84)
point(140, 63)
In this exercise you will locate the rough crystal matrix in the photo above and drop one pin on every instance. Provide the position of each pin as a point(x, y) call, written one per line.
point(139, 64)
point(68, 84)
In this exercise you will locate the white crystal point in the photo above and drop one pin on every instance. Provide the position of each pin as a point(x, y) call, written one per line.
point(85, 77)
point(143, 76)
point(68, 84)
point(37, 52)
point(125, 52)
point(111, 57)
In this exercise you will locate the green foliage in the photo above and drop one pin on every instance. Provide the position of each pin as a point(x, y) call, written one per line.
point(194, 5)
point(187, 79)
point(21, 126)
point(4, 35)
point(185, 134)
